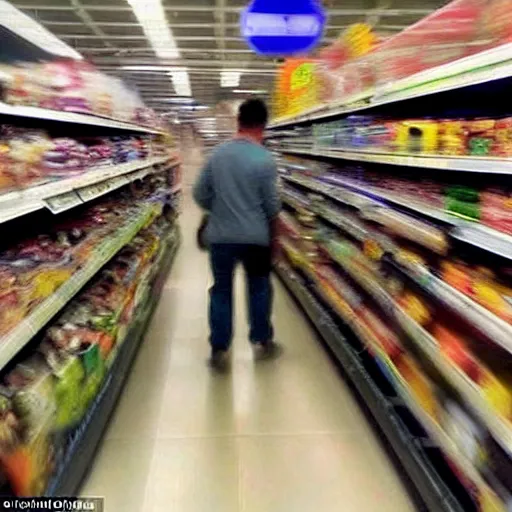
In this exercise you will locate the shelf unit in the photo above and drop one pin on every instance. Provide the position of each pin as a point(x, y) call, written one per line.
point(73, 442)
point(409, 450)
point(17, 338)
point(357, 211)
point(363, 196)
point(491, 65)
point(61, 195)
point(500, 428)
point(402, 388)
point(86, 439)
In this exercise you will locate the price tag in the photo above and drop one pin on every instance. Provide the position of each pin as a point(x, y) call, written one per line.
point(100, 189)
point(63, 202)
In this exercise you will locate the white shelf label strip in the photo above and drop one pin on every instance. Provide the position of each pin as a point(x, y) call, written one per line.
point(16, 204)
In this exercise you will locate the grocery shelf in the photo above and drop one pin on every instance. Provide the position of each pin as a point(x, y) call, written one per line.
point(483, 237)
point(355, 229)
point(18, 337)
point(434, 430)
point(361, 196)
point(436, 496)
point(485, 165)
point(82, 449)
point(73, 117)
point(473, 397)
point(64, 194)
point(353, 103)
point(495, 329)
point(487, 66)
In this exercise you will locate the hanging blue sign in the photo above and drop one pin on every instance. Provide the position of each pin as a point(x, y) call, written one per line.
point(282, 27)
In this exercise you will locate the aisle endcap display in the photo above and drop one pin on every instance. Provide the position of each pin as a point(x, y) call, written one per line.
point(483, 165)
point(17, 338)
point(64, 194)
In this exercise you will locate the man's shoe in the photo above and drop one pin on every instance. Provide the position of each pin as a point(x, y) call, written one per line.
point(268, 350)
point(219, 360)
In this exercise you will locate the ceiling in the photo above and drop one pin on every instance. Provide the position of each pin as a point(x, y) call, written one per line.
point(207, 37)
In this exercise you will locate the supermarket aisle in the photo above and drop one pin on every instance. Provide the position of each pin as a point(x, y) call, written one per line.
point(281, 436)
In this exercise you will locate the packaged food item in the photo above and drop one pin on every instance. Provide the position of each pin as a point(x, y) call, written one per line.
point(417, 136)
point(455, 348)
point(423, 390)
point(415, 307)
point(481, 285)
point(480, 136)
point(465, 432)
point(463, 201)
point(496, 209)
point(452, 138)
point(496, 386)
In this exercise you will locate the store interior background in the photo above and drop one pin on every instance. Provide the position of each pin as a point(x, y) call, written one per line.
point(393, 276)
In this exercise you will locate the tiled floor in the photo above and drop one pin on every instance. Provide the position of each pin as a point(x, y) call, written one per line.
point(282, 436)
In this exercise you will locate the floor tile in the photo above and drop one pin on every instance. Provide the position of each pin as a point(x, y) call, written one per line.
point(328, 473)
point(194, 475)
point(120, 473)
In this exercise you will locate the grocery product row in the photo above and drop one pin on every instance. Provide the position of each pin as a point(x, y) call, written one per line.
point(437, 322)
point(444, 51)
point(76, 297)
point(49, 263)
point(31, 157)
point(477, 209)
point(448, 137)
point(73, 86)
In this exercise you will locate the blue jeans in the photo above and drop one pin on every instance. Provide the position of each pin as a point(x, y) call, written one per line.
point(256, 260)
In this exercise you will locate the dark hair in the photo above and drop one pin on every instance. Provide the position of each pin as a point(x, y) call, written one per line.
point(253, 113)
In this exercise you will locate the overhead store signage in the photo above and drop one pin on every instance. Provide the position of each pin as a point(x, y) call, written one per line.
point(287, 27)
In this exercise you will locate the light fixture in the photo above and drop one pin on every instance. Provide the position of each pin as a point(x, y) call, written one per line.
point(230, 78)
point(151, 15)
point(181, 81)
point(24, 26)
point(194, 107)
point(249, 91)
point(168, 99)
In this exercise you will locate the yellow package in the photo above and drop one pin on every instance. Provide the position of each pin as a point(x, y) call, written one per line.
point(417, 137)
point(497, 390)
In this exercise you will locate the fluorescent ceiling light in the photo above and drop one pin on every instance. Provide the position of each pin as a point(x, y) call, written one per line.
point(151, 15)
point(249, 91)
point(167, 99)
point(230, 78)
point(181, 82)
point(194, 107)
point(24, 26)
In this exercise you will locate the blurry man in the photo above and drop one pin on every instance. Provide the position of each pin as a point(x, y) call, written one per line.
point(238, 187)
